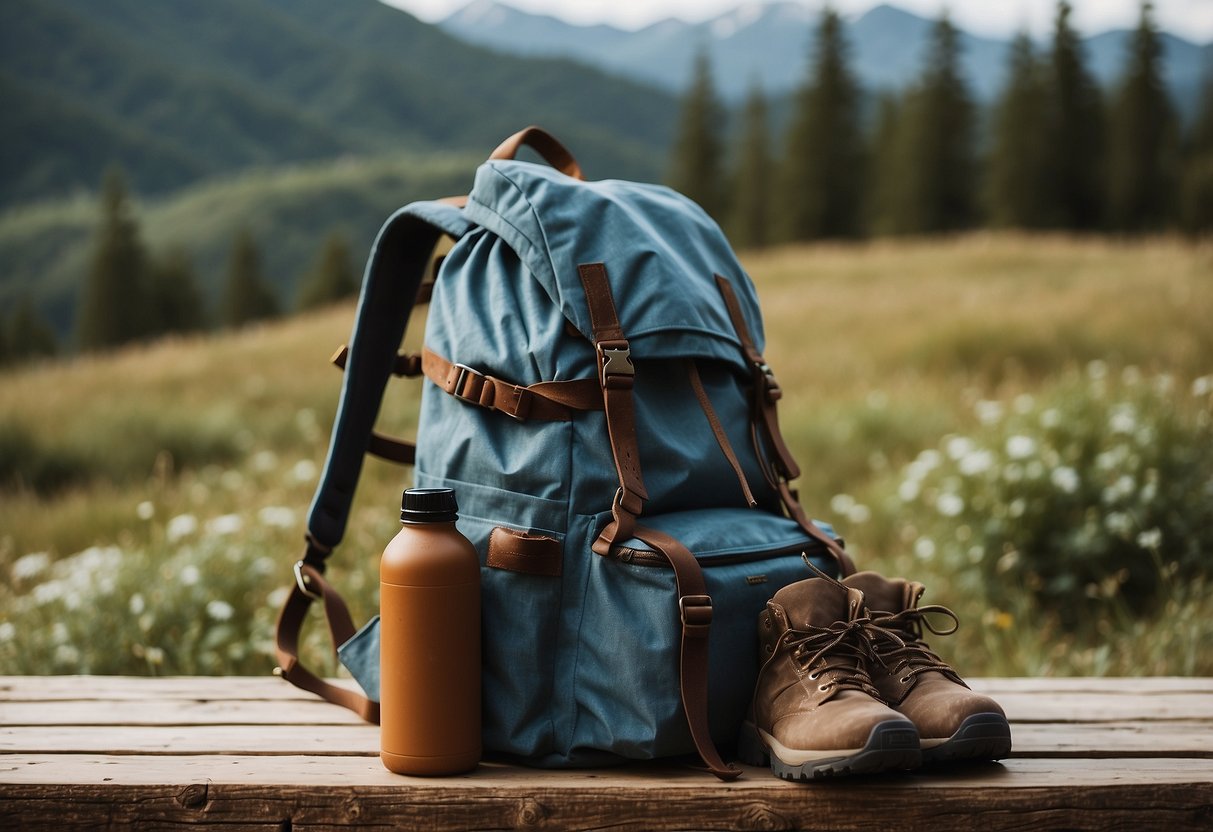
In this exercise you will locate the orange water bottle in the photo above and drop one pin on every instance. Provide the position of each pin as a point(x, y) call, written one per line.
point(429, 630)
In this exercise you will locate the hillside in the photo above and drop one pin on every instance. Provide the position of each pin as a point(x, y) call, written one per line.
point(289, 211)
point(179, 90)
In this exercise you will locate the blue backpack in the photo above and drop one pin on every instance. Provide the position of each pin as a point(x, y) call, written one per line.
point(595, 393)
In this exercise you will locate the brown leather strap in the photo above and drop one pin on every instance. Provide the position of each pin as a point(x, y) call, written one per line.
point(766, 394)
point(695, 616)
point(311, 586)
point(766, 388)
point(408, 365)
point(722, 438)
point(616, 375)
point(553, 401)
point(545, 144)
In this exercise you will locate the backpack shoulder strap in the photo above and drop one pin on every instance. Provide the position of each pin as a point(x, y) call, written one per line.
point(391, 282)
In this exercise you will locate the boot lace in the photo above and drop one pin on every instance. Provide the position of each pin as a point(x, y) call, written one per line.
point(839, 653)
point(898, 642)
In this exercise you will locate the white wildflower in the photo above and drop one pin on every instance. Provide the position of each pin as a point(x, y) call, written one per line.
point(137, 605)
point(1164, 383)
point(1017, 507)
point(950, 505)
point(183, 525)
point(976, 462)
point(30, 566)
point(1202, 386)
point(146, 510)
point(924, 548)
point(304, 471)
point(225, 524)
point(231, 479)
point(1023, 403)
point(988, 412)
point(1150, 538)
point(1020, 446)
point(154, 655)
point(264, 461)
point(8, 631)
point(219, 610)
point(66, 654)
point(189, 576)
point(859, 513)
point(957, 446)
point(1122, 420)
point(841, 503)
point(1118, 523)
point(1097, 370)
point(908, 491)
point(1065, 479)
point(1050, 418)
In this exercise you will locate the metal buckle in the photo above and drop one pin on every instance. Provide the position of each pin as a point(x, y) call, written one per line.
point(773, 391)
point(301, 582)
point(615, 360)
point(457, 387)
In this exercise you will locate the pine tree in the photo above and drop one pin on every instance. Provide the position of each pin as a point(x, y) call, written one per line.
point(935, 188)
point(749, 226)
point(246, 296)
point(1144, 144)
point(174, 297)
point(697, 165)
point(27, 334)
point(1018, 182)
point(332, 277)
point(1074, 129)
point(887, 165)
point(823, 163)
point(1196, 193)
point(112, 306)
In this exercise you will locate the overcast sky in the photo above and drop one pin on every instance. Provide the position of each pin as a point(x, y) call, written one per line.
point(1191, 19)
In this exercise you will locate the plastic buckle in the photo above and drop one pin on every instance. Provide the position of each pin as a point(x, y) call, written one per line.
point(301, 582)
point(615, 362)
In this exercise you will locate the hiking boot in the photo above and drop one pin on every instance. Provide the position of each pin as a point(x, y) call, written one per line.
point(815, 711)
point(953, 722)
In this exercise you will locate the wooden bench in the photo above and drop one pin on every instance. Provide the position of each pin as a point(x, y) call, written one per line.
point(89, 752)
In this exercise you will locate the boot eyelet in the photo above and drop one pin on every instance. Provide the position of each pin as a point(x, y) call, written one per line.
point(825, 687)
point(815, 675)
point(904, 680)
point(769, 648)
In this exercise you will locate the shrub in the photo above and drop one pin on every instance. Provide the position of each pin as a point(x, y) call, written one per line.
point(1094, 494)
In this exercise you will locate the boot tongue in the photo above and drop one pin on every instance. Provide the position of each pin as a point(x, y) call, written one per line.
point(883, 594)
point(813, 603)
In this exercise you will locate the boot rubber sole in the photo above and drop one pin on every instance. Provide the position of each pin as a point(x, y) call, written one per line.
point(892, 746)
point(980, 737)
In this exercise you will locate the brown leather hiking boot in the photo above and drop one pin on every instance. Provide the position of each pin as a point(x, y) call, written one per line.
point(815, 711)
point(953, 721)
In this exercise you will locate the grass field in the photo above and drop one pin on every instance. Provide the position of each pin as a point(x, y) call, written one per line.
point(153, 500)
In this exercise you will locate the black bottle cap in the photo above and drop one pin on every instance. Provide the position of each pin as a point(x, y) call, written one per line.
point(428, 505)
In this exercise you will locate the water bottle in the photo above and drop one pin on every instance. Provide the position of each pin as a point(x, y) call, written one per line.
point(429, 629)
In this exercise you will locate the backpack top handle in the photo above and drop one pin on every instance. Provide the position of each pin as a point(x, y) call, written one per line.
point(543, 143)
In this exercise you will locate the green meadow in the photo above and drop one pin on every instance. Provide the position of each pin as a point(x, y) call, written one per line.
point(1022, 423)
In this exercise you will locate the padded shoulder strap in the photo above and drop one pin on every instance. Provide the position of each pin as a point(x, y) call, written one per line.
point(394, 273)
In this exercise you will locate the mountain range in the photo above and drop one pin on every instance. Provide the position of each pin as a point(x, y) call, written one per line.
point(769, 45)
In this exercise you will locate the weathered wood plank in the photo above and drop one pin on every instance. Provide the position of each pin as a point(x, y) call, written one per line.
point(45, 688)
point(1021, 706)
point(1113, 739)
point(333, 792)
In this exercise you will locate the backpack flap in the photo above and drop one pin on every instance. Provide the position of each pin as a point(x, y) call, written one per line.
point(661, 252)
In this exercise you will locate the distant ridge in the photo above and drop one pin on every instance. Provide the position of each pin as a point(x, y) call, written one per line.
point(769, 43)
